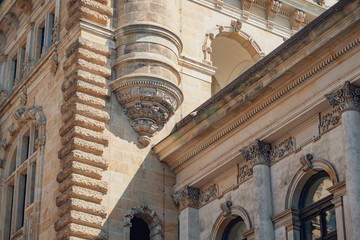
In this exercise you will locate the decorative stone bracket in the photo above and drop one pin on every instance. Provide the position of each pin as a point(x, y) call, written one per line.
point(148, 101)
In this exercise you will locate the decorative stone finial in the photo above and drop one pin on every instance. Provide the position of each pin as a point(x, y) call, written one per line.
point(259, 152)
point(347, 97)
point(149, 103)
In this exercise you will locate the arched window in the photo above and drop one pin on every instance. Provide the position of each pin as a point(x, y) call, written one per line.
point(234, 230)
point(139, 229)
point(317, 213)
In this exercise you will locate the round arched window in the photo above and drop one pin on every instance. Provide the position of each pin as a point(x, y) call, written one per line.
point(317, 214)
point(234, 230)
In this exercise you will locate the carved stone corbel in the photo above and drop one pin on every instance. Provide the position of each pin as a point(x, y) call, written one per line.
point(11, 20)
point(246, 8)
point(219, 3)
point(306, 162)
point(25, 5)
point(226, 208)
point(187, 197)
point(273, 7)
point(297, 19)
point(258, 152)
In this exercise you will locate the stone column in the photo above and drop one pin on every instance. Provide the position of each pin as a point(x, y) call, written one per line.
point(187, 200)
point(348, 99)
point(259, 154)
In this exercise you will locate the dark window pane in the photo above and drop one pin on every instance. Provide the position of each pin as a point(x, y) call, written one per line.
point(139, 230)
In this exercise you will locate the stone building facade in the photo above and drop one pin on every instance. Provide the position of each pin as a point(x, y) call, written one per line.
point(99, 135)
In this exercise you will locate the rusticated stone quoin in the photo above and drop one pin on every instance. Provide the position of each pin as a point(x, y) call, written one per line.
point(81, 187)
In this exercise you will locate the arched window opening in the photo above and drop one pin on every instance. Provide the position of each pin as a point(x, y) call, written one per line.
point(230, 58)
point(317, 213)
point(139, 229)
point(234, 230)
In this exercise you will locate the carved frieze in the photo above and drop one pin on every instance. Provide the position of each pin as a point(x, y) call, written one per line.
point(208, 194)
point(330, 120)
point(148, 103)
point(347, 97)
point(273, 7)
point(244, 172)
point(187, 197)
point(219, 3)
point(283, 148)
point(259, 153)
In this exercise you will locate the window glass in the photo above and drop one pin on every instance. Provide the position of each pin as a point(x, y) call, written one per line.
point(317, 190)
point(234, 230)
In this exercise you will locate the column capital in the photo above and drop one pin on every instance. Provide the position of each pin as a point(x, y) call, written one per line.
point(258, 152)
point(347, 97)
point(187, 197)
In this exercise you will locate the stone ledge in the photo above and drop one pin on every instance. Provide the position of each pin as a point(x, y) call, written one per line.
point(81, 53)
point(87, 13)
point(79, 193)
point(84, 157)
point(87, 88)
point(82, 206)
point(84, 76)
point(89, 45)
point(85, 134)
point(80, 168)
point(74, 216)
point(82, 121)
point(87, 111)
point(83, 145)
point(87, 66)
point(79, 97)
point(91, 4)
point(83, 181)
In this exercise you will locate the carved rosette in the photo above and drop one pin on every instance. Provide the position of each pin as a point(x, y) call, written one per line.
point(259, 153)
point(149, 102)
point(347, 97)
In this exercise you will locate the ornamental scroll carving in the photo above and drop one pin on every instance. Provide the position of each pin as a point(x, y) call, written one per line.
point(347, 97)
point(283, 148)
point(244, 172)
point(148, 103)
point(187, 197)
point(330, 120)
point(259, 153)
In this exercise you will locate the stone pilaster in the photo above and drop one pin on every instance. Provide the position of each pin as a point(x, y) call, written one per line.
point(188, 201)
point(259, 153)
point(86, 71)
point(348, 99)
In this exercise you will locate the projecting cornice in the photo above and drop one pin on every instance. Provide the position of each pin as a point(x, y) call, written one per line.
point(240, 101)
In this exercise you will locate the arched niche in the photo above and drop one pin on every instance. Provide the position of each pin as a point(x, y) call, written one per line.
point(149, 216)
point(303, 175)
point(229, 213)
point(232, 51)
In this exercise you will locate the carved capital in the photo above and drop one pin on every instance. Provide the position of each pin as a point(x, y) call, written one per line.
point(187, 197)
point(347, 97)
point(259, 152)
point(148, 103)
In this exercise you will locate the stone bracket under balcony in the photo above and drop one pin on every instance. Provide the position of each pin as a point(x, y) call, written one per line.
point(148, 101)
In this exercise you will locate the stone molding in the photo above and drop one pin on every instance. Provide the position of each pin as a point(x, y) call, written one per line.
point(288, 219)
point(149, 216)
point(268, 102)
point(258, 153)
point(347, 97)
